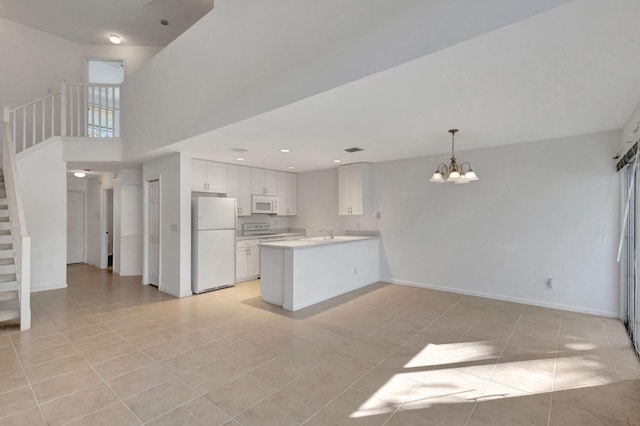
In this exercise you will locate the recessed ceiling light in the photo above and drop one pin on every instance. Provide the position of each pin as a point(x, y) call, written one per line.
point(285, 150)
point(79, 174)
point(290, 167)
point(115, 39)
point(337, 161)
point(240, 159)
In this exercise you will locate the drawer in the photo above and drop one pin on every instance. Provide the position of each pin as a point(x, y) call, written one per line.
point(247, 243)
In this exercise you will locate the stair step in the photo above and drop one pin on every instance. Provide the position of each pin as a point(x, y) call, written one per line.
point(5, 231)
point(8, 295)
point(4, 219)
point(4, 278)
point(5, 225)
point(6, 254)
point(5, 239)
point(9, 314)
point(6, 246)
point(7, 269)
point(9, 286)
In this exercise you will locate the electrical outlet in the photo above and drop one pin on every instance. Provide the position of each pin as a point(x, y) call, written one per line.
point(378, 215)
point(355, 271)
point(549, 283)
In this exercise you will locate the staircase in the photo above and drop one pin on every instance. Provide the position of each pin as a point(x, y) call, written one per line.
point(9, 301)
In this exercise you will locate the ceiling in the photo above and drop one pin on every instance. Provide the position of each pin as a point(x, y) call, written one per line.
point(91, 21)
point(571, 70)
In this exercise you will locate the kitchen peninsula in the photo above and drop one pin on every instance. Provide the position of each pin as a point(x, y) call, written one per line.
point(297, 274)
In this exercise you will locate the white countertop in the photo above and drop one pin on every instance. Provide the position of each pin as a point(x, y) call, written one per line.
point(316, 241)
point(283, 234)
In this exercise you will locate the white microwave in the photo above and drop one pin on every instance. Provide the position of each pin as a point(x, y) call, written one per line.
point(264, 204)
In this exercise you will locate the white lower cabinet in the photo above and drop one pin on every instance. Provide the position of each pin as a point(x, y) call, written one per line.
point(247, 260)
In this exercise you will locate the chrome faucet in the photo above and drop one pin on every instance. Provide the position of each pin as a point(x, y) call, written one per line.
point(329, 232)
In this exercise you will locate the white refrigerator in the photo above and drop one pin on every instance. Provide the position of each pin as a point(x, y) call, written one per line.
point(213, 243)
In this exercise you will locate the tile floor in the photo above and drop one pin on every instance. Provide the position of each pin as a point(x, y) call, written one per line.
point(108, 351)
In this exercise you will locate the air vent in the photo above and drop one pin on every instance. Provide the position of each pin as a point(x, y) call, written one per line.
point(354, 149)
point(239, 150)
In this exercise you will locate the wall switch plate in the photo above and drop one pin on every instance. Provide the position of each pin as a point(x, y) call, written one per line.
point(550, 284)
point(378, 215)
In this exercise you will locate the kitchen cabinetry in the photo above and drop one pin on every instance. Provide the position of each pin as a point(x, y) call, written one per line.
point(264, 182)
point(354, 189)
point(239, 187)
point(287, 194)
point(247, 260)
point(208, 176)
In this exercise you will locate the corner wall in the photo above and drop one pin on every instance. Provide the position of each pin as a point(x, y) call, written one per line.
point(43, 186)
point(174, 173)
point(540, 210)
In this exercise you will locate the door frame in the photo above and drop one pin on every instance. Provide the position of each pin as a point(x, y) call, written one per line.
point(145, 230)
point(104, 241)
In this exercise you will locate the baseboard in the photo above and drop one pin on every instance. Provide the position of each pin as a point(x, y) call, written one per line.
point(48, 287)
point(524, 301)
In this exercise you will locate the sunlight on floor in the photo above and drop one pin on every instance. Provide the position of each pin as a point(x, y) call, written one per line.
point(470, 372)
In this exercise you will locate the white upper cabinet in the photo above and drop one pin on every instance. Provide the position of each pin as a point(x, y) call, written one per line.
point(264, 182)
point(208, 176)
point(287, 194)
point(239, 187)
point(354, 189)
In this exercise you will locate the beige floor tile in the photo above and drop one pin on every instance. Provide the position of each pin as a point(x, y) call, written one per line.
point(139, 380)
point(279, 371)
point(151, 339)
point(522, 378)
point(213, 375)
point(187, 361)
point(63, 385)
point(30, 417)
point(276, 409)
point(357, 408)
point(527, 409)
point(160, 399)
point(78, 404)
point(168, 348)
point(123, 364)
point(57, 367)
point(239, 394)
point(116, 414)
point(563, 414)
point(320, 420)
point(436, 353)
point(13, 380)
point(16, 400)
point(29, 358)
point(199, 412)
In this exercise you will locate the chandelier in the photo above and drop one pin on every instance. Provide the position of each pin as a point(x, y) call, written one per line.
point(454, 172)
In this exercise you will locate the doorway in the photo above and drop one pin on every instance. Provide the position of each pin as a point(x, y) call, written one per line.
point(153, 203)
point(107, 241)
point(75, 227)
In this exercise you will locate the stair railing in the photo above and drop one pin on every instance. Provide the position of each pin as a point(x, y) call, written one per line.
point(87, 110)
point(19, 235)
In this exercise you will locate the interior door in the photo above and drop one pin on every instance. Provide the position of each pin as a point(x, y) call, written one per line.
point(75, 227)
point(154, 232)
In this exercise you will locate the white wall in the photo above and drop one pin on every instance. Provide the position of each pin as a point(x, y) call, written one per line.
point(130, 222)
point(94, 222)
point(43, 186)
point(36, 62)
point(174, 173)
point(540, 210)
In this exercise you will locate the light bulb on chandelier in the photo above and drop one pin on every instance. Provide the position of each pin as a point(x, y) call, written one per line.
point(454, 172)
